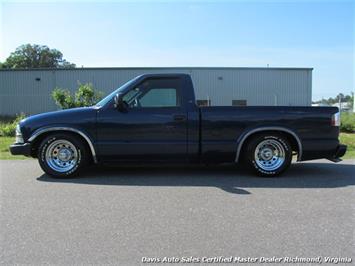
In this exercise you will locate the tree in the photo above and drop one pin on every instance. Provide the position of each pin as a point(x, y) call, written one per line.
point(340, 97)
point(344, 98)
point(36, 56)
point(86, 95)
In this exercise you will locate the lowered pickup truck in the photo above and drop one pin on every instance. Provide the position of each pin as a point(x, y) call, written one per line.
point(154, 118)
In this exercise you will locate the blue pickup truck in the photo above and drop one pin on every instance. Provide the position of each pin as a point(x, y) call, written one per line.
point(154, 118)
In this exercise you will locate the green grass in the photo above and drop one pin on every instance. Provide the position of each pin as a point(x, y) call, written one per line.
point(5, 154)
point(345, 138)
point(349, 140)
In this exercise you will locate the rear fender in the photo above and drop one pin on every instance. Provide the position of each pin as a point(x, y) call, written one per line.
point(241, 140)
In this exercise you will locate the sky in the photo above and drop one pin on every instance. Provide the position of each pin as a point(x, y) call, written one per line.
point(317, 34)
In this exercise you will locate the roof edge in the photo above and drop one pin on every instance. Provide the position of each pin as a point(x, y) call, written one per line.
point(156, 68)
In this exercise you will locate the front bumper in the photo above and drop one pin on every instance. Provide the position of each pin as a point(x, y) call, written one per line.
point(21, 149)
point(339, 152)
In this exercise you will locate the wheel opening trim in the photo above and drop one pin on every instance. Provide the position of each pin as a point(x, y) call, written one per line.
point(85, 136)
point(282, 129)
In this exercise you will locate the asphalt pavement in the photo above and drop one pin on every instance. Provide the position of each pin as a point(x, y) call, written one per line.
point(123, 215)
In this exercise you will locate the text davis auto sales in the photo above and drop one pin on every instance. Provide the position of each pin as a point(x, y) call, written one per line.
point(236, 259)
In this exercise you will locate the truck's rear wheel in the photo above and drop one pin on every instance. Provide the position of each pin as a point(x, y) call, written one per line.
point(62, 155)
point(269, 154)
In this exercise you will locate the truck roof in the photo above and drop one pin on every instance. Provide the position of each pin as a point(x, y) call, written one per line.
point(163, 75)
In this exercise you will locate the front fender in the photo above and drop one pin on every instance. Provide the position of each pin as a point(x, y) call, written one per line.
point(80, 132)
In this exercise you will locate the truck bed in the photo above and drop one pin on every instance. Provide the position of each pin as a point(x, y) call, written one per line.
point(223, 128)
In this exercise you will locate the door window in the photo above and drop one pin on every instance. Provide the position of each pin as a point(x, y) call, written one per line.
point(154, 93)
point(159, 97)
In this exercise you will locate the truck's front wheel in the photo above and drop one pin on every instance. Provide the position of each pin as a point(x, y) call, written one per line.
point(269, 155)
point(61, 155)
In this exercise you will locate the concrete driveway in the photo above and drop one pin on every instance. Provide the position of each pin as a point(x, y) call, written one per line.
point(119, 215)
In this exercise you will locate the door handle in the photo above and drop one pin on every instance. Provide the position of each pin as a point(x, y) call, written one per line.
point(179, 118)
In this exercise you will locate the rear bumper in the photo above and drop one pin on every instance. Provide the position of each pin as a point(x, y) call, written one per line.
point(339, 152)
point(21, 149)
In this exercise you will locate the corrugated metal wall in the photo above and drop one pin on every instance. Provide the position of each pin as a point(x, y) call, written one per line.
point(29, 91)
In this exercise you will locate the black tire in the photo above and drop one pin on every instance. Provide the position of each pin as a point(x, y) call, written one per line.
point(261, 162)
point(81, 155)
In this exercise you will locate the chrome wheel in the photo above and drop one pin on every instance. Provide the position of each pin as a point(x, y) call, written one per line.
point(61, 155)
point(269, 154)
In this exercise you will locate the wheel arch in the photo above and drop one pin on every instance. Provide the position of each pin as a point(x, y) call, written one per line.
point(42, 132)
point(291, 135)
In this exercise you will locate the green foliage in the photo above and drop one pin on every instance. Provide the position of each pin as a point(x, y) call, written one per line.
point(5, 154)
point(349, 140)
point(347, 122)
point(344, 98)
point(86, 95)
point(36, 56)
point(63, 98)
point(7, 118)
point(8, 129)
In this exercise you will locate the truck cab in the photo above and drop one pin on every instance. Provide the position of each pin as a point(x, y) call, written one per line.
point(153, 119)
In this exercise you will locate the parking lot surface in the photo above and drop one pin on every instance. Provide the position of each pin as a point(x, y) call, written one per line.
point(117, 215)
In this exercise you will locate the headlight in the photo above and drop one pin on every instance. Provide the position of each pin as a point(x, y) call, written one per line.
point(19, 138)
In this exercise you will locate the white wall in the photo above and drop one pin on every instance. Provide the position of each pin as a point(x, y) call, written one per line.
point(21, 92)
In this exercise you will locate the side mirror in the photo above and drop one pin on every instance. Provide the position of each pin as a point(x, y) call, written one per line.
point(119, 103)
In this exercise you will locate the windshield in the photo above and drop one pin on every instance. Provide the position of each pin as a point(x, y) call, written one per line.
point(112, 94)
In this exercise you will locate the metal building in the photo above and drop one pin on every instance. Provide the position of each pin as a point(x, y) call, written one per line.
point(29, 91)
